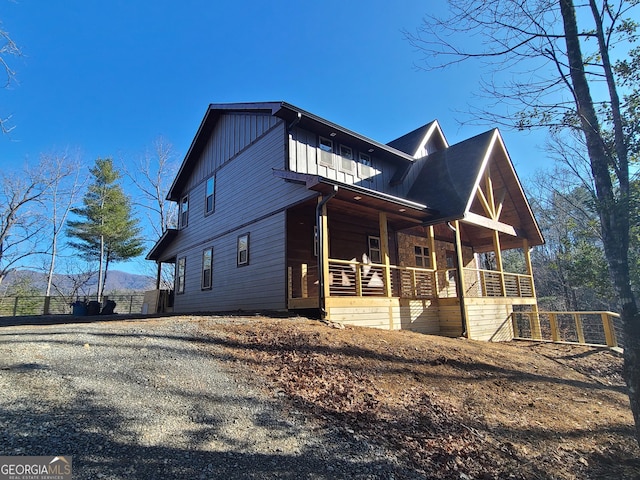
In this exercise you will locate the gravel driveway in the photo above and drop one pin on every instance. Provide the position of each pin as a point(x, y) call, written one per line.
point(154, 400)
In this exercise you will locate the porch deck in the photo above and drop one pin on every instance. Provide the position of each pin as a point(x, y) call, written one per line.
point(419, 299)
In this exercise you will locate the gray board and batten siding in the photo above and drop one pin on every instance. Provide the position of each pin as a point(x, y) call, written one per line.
point(304, 156)
point(242, 152)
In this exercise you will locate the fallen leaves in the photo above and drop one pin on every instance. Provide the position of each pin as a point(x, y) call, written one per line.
point(450, 408)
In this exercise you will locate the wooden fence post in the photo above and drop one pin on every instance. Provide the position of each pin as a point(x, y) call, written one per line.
point(609, 331)
point(47, 305)
point(553, 323)
point(579, 329)
point(514, 323)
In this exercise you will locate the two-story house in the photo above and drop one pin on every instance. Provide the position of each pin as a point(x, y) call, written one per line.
point(280, 209)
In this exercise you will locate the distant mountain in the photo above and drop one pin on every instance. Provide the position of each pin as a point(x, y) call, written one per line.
point(117, 281)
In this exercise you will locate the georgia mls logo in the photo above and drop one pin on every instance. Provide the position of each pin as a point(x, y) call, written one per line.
point(36, 468)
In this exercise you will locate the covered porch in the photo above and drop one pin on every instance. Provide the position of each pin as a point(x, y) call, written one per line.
point(367, 262)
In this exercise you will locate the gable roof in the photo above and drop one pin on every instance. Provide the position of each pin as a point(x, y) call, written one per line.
point(293, 116)
point(412, 142)
point(449, 179)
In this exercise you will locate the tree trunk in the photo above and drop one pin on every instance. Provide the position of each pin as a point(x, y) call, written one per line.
point(100, 268)
point(614, 213)
point(54, 248)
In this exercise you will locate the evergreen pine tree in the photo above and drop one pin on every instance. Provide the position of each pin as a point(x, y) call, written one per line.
point(106, 229)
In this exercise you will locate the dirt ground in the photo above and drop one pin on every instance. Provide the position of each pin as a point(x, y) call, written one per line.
point(450, 408)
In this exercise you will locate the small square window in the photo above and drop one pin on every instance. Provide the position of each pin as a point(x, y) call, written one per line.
point(207, 269)
point(209, 202)
point(243, 250)
point(326, 151)
point(422, 256)
point(346, 160)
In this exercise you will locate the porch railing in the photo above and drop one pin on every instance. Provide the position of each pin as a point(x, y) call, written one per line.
point(589, 327)
point(353, 278)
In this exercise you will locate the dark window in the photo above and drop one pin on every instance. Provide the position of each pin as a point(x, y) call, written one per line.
point(375, 255)
point(184, 211)
point(207, 269)
point(180, 274)
point(243, 250)
point(210, 195)
point(422, 256)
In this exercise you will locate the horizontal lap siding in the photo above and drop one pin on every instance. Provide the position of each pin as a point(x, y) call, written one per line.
point(419, 316)
point(392, 313)
point(248, 199)
point(450, 318)
point(490, 322)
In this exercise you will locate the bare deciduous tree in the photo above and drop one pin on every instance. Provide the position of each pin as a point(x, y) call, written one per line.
point(65, 185)
point(561, 75)
point(22, 197)
point(152, 178)
point(8, 48)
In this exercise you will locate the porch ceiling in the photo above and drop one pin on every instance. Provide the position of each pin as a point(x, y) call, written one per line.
point(355, 200)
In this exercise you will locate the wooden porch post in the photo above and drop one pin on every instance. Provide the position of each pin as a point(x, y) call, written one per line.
point(536, 331)
point(434, 259)
point(496, 246)
point(384, 252)
point(325, 252)
point(462, 287)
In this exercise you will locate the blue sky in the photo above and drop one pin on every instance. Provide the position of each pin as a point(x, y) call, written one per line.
point(107, 78)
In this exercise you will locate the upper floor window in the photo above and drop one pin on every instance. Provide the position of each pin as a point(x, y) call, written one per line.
point(366, 172)
point(207, 269)
point(326, 151)
point(180, 274)
point(209, 202)
point(243, 249)
point(346, 158)
point(422, 256)
point(184, 211)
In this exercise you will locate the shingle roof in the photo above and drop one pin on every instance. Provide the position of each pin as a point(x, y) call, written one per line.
point(448, 177)
point(411, 142)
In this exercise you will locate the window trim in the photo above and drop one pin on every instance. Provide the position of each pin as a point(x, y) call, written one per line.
point(181, 279)
point(204, 275)
point(208, 211)
point(378, 249)
point(238, 251)
point(364, 161)
point(351, 160)
point(330, 153)
point(424, 255)
point(184, 212)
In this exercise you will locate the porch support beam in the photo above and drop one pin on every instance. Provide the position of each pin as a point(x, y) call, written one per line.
point(480, 221)
point(498, 252)
point(384, 251)
point(434, 259)
point(324, 236)
point(462, 288)
point(536, 331)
